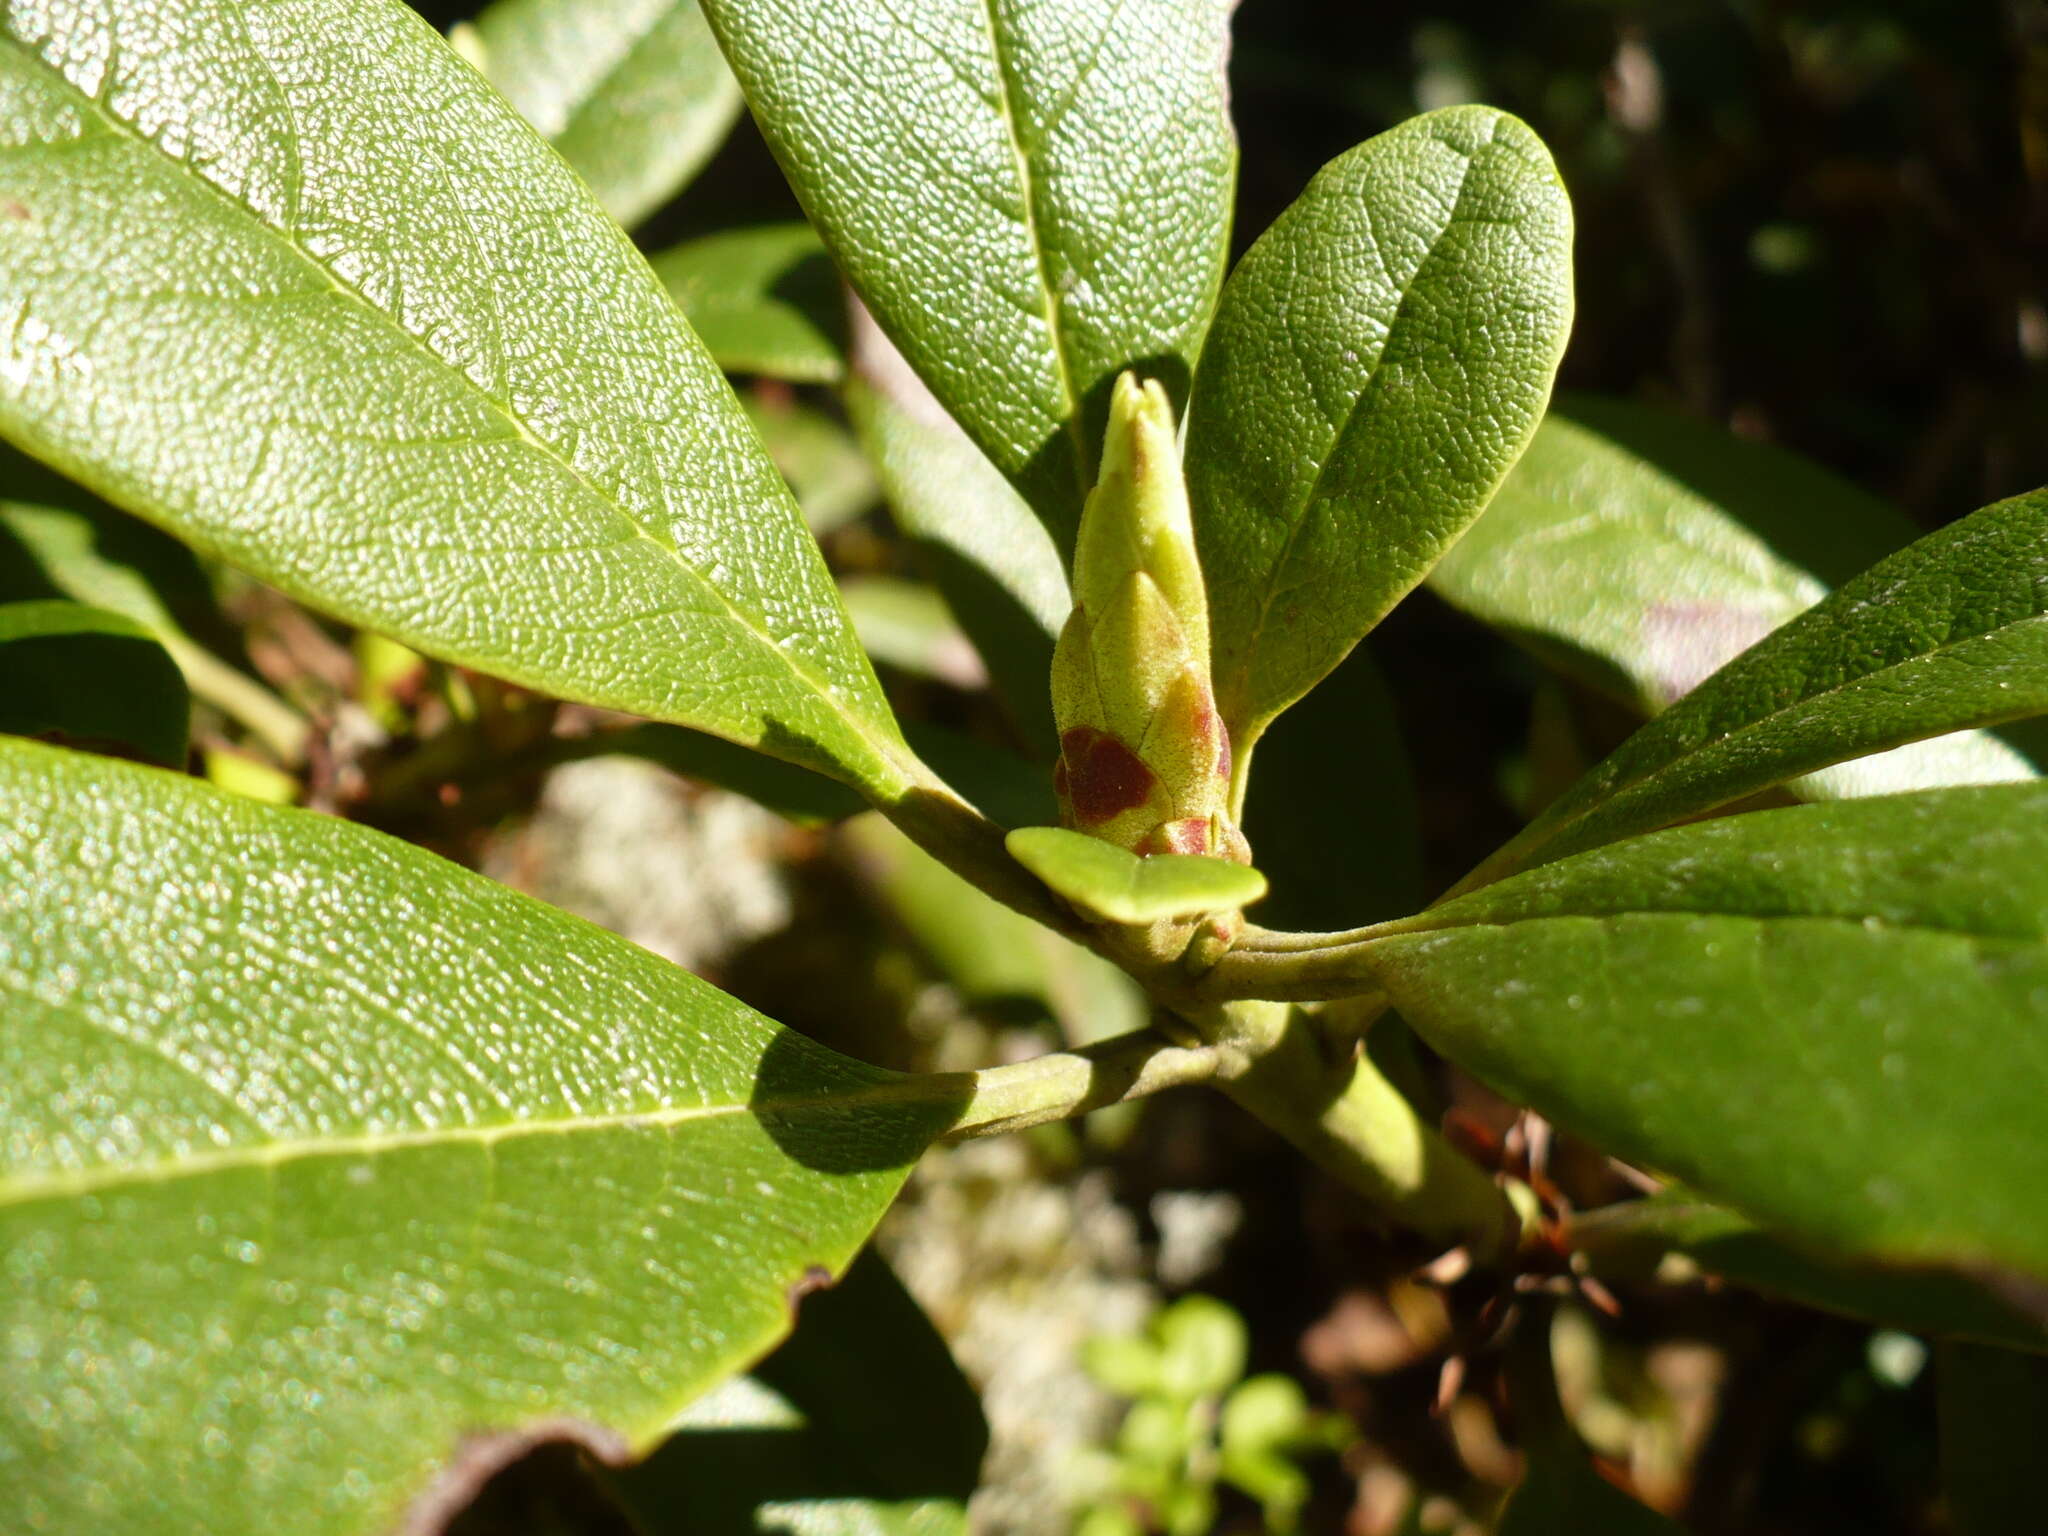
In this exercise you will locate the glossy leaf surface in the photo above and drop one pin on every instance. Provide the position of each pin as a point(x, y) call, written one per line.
point(90, 678)
point(1639, 551)
point(1379, 359)
point(1058, 174)
point(502, 445)
point(1121, 887)
point(632, 93)
point(1950, 632)
point(1630, 1240)
point(765, 300)
point(1832, 1017)
point(322, 1160)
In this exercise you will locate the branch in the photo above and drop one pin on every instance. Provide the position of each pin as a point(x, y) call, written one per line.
point(1063, 1084)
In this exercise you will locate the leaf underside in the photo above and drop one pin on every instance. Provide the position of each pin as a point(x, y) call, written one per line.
point(1950, 632)
point(1120, 887)
point(1639, 551)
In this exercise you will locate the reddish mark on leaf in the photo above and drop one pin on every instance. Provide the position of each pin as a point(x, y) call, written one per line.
point(9, 208)
point(1223, 761)
point(1099, 776)
point(1190, 835)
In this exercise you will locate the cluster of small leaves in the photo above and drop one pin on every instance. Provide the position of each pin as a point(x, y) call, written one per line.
point(1196, 1421)
point(321, 1158)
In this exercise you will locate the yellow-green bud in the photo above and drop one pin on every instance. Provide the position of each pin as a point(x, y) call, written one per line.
point(1144, 758)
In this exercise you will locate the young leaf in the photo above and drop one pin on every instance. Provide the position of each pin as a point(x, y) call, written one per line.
point(632, 93)
point(1061, 173)
point(1120, 887)
point(861, 1423)
point(90, 678)
point(1639, 551)
point(1379, 359)
point(419, 379)
point(1830, 1017)
point(985, 551)
point(1950, 632)
point(764, 300)
point(324, 1163)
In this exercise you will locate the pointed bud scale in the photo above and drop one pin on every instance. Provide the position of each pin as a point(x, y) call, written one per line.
point(1144, 758)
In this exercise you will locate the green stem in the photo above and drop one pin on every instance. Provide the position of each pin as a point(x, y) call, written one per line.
point(934, 816)
point(1347, 1117)
point(1063, 1084)
point(281, 729)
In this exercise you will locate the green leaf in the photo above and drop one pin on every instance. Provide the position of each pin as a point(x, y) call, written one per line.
point(1030, 197)
point(1120, 887)
point(418, 379)
point(1379, 359)
point(323, 1162)
point(908, 625)
point(861, 1423)
point(632, 93)
point(90, 678)
point(764, 300)
point(985, 551)
point(828, 474)
point(1830, 1017)
point(1629, 1240)
point(1639, 551)
point(1946, 634)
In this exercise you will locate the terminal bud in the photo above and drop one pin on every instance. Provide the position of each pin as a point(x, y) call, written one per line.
point(1144, 757)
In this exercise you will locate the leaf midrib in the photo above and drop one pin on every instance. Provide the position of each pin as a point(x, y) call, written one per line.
point(1006, 111)
point(819, 688)
point(30, 1188)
